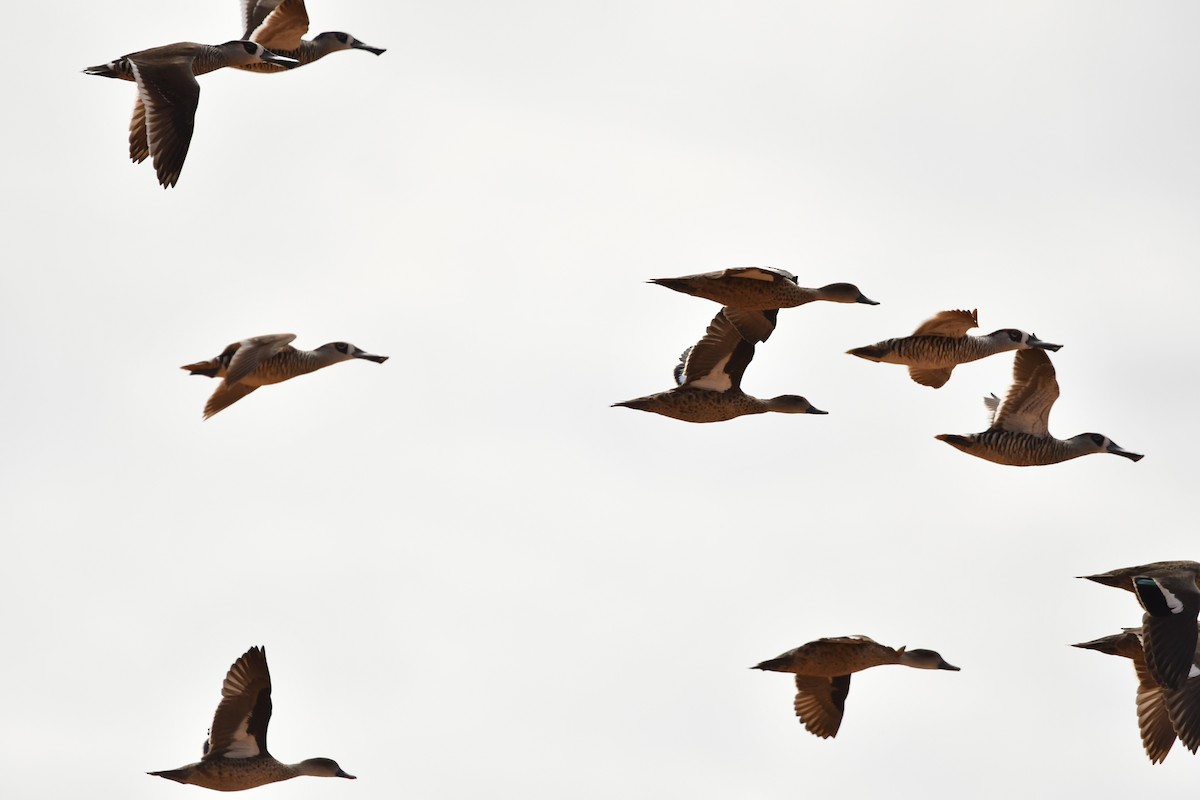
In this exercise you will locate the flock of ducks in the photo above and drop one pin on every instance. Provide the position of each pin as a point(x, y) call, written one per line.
point(709, 373)
point(1164, 649)
point(164, 114)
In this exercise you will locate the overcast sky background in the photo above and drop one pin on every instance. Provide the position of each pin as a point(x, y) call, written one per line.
point(474, 578)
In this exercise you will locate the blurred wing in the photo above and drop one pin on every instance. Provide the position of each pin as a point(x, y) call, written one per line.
point(949, 323)
point(278, 25)
point(1026, 407)
point(254, 351)
point(225, 396)
point(820, 703)
point(992, 403)
point(717, 361)
point(169, 95)
point(239, 728)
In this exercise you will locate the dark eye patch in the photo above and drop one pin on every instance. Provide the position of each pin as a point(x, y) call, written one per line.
point(341, 347)
point(342, 37)
point(251, 47)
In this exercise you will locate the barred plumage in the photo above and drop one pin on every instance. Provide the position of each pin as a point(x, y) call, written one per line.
point(1020, 432)
point(941, 343)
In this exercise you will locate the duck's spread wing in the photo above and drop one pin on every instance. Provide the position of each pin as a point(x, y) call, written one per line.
point(1026, 407)
point(252, 352)
point(1154, 721)
point(718, 360)
point(169, 95)
point(239, 728)
point(1184, 708)
point(753, 326)
point(949, 323)
point(820, 703)
point(275, 24)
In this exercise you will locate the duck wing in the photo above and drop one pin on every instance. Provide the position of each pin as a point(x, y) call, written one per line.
point(753, 326)
point(275, 24)
point(954, 324)
point(252, 352)
point(1172, 604)
point(239, 728)
point(718, 360)
point(169, 94)
point(820, 703)
point(1026, 407)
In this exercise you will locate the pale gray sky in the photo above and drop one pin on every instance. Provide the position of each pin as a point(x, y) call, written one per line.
point(472, 576)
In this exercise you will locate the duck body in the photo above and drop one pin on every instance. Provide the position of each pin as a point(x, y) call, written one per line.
point(262, 360)
point(1020, 434)
point(164, 114)
point(941, 343)
point(279, 25)
point(709, 377)
point(823, 668)
point(692, 404)
point(235, 754)
point(760, 289)
point(1018, 449)
point(238, 774)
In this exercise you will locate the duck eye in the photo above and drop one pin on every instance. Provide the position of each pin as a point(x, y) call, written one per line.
point(1015, 335)
point(342, 37)
point(251, 47)
point(341, 347)
point(1097, 438)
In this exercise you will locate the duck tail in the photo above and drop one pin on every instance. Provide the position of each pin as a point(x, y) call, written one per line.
point(209, 368)
point(638, 403)
point(114, 69)
point(677, 284)
point(177, 775)
point(871, 352)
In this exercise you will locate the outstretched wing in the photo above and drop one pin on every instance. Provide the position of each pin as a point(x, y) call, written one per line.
point(718, 360)
point(1026, 407)
point(820, 703)
point(239, 728)
point(254, 351)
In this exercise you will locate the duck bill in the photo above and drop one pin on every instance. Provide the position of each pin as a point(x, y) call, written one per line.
point(815, 410)
point(862, 298)
point(949, 666)
point(341, 773)
point(363, 46)
point(283, 61)
point(1120, 451)
point(371, 357)
point(1036, 342)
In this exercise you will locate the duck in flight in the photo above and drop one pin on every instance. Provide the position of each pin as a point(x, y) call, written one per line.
point(164, 114)
point(823, 668)
point(1019, 434)
point(941, 343)
point(279, 25)
point(1163, 714)
point(235, 754)
point(709, 378)
point(260, 360)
